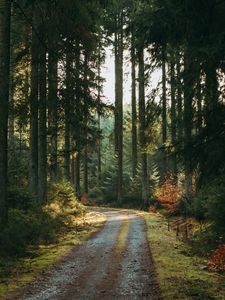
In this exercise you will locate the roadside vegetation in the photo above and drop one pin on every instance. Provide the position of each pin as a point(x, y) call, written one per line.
point(36, 238)
point(182, 273)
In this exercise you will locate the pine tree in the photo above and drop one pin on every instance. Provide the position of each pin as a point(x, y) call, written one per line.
point(5, 12)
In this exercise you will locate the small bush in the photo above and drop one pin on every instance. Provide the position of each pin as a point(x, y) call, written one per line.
point(216, 263)
point(169, 196)
point(62, 203)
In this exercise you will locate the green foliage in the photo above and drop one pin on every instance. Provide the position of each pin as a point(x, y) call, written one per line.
point(31, 225)
point(197, 207)
point(109, 182)
point(95, 192)
point(27, 228)
point(62, 202)
point(209, 204)
point(20, 198)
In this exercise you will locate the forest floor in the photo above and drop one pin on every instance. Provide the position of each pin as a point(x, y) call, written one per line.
point(115, 263)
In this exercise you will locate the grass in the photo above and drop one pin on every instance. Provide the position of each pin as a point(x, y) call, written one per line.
point(15, 273)
point(181, 275)
point(122, 236)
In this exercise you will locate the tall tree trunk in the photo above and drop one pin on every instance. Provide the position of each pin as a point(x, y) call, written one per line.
point(199, 105)
point(99, 170)
point(77, 121)
point(179, 101)
point(164, 113)
point(42, 161)
point(211, 95)
point(99, 175)
point(86, 169)
point(120, 111)
point(4, 102)
point(53, 104)
point(77, 175)
point(34, 109)
point(86, 125)
point(11, 115)
point(142, 128)
point(11, 129)
point(173, 118)
point(188, 123)
point(67, 110)
point(134, 107)
point(116, 46)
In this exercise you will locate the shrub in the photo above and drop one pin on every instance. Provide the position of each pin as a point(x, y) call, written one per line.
point(169, 196)
point(197, 208)
point(30, 224)
point(62, 202)
point(216, 263)
point(209, 204)
point(27, 228)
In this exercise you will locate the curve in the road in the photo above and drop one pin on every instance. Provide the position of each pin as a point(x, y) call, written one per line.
point(113, 264)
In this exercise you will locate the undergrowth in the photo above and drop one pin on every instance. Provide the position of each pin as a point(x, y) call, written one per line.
point(36, 237)
point(181, 274)
point(30, 224)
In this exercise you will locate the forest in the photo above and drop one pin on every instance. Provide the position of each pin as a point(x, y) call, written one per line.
point(155, 149)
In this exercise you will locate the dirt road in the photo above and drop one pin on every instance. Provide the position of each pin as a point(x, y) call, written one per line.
point(113, 264)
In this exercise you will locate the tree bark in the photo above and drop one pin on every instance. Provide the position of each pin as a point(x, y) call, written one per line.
point(116, 46)
point(86, 187)
point(142, 128)
point(11, 134)
point(199, 105)
point(99, 171)
point(42, 161)
point(86, 125)
point(179, 101)
point(53, 102)
point(77, 175)
point(120, 111)
point(211, 100)
point(67, 110)
point(173, 119)
point(164, 114)
point(188, 123)
point(77, 121)
point(34, 109)
point(5, 13)
point(134, 107)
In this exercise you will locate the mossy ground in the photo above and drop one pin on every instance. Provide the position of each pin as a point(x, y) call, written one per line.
point(16, 272)
point(181, 275)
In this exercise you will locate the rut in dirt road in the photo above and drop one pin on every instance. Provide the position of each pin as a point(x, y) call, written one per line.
point(114, 264)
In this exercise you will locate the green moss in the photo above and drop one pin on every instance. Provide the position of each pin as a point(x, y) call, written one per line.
point(181, 275)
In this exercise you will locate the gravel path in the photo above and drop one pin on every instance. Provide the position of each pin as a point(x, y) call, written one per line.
point(114, 264)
